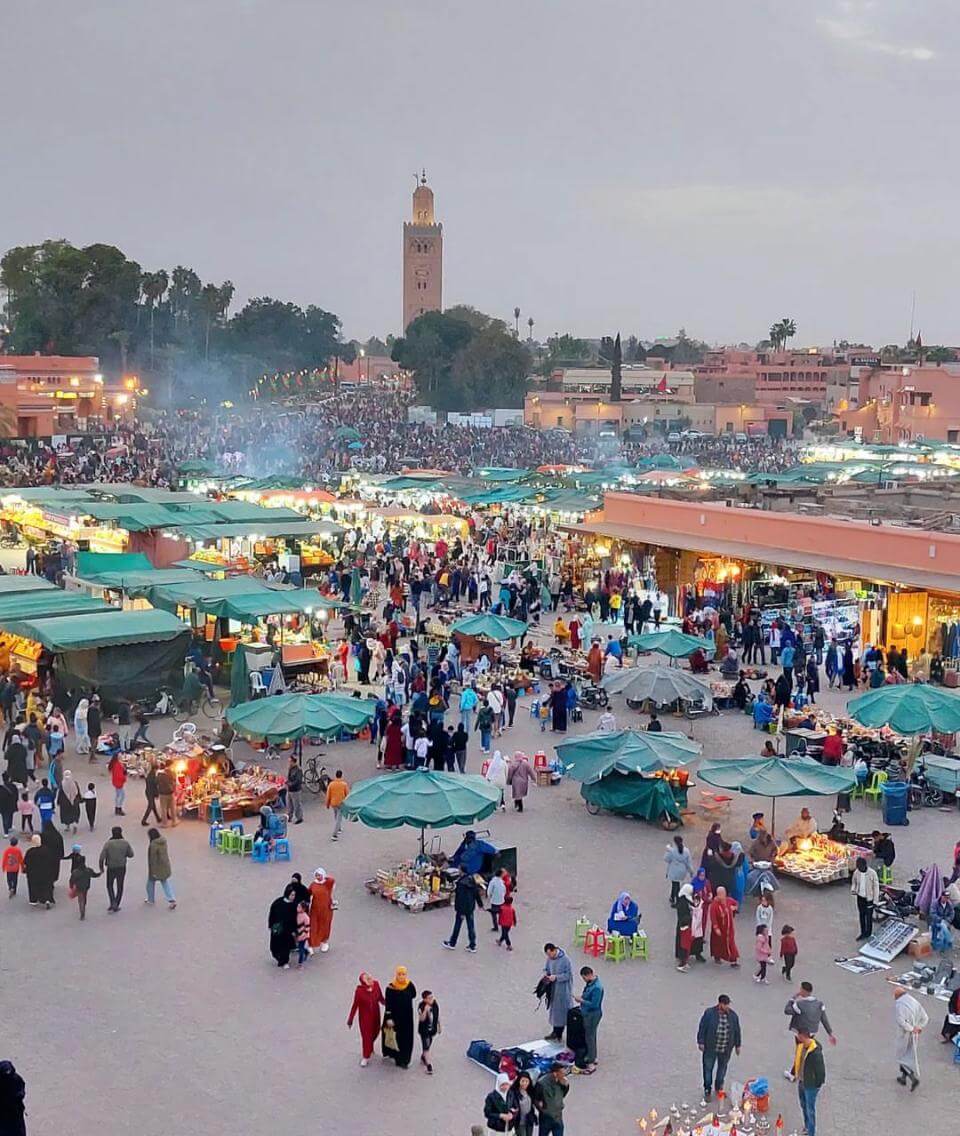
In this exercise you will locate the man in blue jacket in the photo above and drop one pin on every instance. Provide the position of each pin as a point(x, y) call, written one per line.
point(718, 1036)
point(591, 1006)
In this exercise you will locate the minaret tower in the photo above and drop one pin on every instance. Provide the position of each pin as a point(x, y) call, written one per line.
point(422, 257)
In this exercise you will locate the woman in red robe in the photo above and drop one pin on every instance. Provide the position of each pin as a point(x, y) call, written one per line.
point(367, 1000)
point(393, 743)
point(321, 909)
point(723, 943)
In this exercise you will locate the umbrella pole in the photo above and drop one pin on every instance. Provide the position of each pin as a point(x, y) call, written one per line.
point(422, 838)
point(773, 819)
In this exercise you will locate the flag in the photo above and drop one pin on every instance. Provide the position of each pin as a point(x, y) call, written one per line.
point(662, 385)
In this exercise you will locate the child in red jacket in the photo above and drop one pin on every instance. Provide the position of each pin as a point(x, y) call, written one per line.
point(12, 865)
point(507, 919)
point(788, 949)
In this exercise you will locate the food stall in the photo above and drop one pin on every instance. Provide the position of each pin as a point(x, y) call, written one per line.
point(817, 859)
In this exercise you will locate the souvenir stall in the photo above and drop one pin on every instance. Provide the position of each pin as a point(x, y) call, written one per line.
point(818, 860)
point(419, 798)
point(481, 634)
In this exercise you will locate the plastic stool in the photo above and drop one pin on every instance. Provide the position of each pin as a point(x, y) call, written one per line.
point(616, 948)
point(229, 842)
point(638, 947)
point(214, 810)
point(535, 708)
point(214, 829)
point(580, 931)
point(281, 849)
point(885, 875)
point(246, 844)
point(539, 761)
point(236, 826)
point(261, 852)
point(595, 942)
point(222, 836)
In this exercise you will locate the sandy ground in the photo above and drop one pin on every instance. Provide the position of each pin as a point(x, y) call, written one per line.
point(162, 1022)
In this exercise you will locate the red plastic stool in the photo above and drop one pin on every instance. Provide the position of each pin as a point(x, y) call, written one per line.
point(595, 942)
point(539, 760)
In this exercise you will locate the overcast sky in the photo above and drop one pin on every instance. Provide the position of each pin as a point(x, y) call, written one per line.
point(607, 165)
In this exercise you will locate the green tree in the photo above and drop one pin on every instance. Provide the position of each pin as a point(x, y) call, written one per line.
point(463, 360)
point(780, 332)
point(153, 285)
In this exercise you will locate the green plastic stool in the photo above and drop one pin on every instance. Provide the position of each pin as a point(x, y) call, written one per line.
point(638, 947)
point(616, 948)
point(580, 931)
point(246, 844)
point(230, 843)
point(223, 834)
point(885, 875)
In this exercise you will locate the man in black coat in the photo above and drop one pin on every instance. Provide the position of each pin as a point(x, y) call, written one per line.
point(466, 899)
point(718, 1037)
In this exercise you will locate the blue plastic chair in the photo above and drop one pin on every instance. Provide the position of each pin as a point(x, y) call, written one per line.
point(281, 849)
point(215, 810)
point(261, 852)
point(236, 826)
point(214, 829)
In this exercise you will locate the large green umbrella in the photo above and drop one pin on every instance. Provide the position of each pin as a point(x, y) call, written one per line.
point(661, 685)
point(488, 626)
point(776, 777)
point(287, 717)
point(908, 708)
point(589, 757)
point(421, 799)
point(672, 643)
point(346, 432)
point(239, 677)
point(196, 465)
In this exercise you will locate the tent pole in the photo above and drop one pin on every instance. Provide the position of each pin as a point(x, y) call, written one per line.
point(773, 821)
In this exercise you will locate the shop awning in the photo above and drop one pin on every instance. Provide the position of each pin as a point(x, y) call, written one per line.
point(590, 757)
point(45, 605)
point(488, 626)
point(11, 585)
point(191, 593)
point(248, 607)
point(93, 563)
point(233, 529)
point(134, 517)
point(110, 628)
point(46, 495)
point(136, 583)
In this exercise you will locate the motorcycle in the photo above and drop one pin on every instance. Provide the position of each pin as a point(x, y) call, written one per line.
point(593, 697)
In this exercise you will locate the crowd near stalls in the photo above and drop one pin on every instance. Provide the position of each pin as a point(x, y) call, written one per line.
point(335, 571)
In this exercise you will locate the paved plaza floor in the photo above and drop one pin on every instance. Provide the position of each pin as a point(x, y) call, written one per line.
point(157, 1022)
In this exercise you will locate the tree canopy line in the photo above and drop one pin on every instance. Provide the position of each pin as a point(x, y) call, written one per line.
point(170, 327)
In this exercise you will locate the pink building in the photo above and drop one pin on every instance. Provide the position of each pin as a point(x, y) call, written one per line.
point(907, 403)
point(808, 373)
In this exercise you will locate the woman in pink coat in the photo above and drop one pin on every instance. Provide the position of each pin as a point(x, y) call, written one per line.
point(519, 778)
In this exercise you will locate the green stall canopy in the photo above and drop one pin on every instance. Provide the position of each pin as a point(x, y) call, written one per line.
point(46, 605)
point(421, 799)
point(94, 563)
point(672, 643)
point(631, 794)
point(590, 757)
point(110, 628)
point(286, 717)
point(487, 626)
point(17, 585)
point(661, 685)
point(913, 708)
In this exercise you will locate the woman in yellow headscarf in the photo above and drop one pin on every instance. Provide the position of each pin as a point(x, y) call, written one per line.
point(398, 1019)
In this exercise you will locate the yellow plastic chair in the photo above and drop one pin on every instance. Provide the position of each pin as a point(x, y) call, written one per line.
point(875, 789)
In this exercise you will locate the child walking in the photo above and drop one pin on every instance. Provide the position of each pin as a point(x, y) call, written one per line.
point(508, 919)
point(788, 950)
point(12, 865)
point(80, 878)
point(763, 952)
point(428, 1026)
point(90, 804)
point(303, 933)
point(27, 810)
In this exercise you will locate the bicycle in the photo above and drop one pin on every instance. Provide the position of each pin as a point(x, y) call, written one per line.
point(209, 706)
point(315, 777)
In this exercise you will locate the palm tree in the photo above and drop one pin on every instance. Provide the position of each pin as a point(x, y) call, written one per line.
point(122, 339)
point(530, 326)
point(154, 285)
point(780, 332)
point(215, 302)
point(516, 319)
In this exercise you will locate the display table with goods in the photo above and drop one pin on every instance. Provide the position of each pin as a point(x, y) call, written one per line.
point(742, 1111)
point(817, 859)
point(416, 885)
point(243, 794)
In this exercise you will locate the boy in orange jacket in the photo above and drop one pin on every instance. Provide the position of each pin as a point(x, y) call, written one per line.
point(12, 863)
